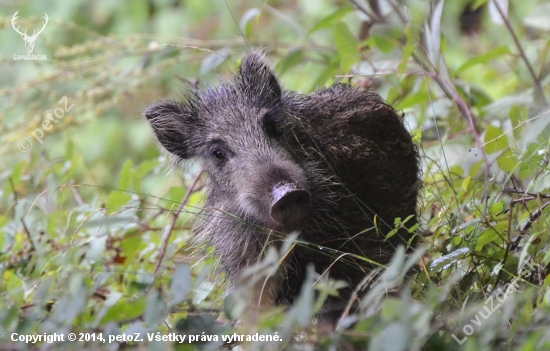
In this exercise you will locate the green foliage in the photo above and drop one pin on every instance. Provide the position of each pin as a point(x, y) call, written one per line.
point(95, 232)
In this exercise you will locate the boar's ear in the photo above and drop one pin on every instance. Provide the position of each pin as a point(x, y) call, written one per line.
point(174, 124)
point(257, 80)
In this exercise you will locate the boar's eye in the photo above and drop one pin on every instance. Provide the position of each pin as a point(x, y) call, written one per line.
point(218, 154)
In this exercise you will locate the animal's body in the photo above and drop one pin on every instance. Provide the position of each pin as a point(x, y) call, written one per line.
point(337, 165)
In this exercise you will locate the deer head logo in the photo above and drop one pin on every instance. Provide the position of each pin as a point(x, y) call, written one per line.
point(29, 40)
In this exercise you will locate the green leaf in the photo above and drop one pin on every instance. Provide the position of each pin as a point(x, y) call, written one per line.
point(477, 3)
point(407, 51)
point(394, 336)
point(507, 161)
point(475, 169)
point(518, 114)
point(303, 307)
point(131, 246)
point(526, 169)
point(145, 167)
point(496, 208)
point(545, 261)
point(417, 136)
point(419, 98)
point(3, 221)
point(331, 19)
point(531, 160)
point(346, 43)
point(433, 34)
point(495, 139)
point(391, 310)
point(141, 171)
point(326, 76)
point(181, 283)
point(96, 249)
point(124, 310)
point(393, 94)
point(155, 309)
point(124, 177)
point(201, 292)
point(116, 200)
point(175, 195)
point(483, 59)
point(487, 236)
point(107, 220)
point(384, 43)
point(69, 149)
point(466, 183)
point(293, 58)
point(15, 176)
point(246, 19)
point(526, 251)
point(12, 285)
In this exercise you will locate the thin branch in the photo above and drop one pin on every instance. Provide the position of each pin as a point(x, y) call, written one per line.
point(373, 16)
point(509, 242)
point(33, 249)
point(452, 94)
point(15, 197)
point(450, 91)
point(467, 114)
point(76, 195)
point(536, 82)
point(190, 190)
point(533, 217)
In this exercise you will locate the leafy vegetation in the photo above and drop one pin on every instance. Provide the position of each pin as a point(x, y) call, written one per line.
point(95, 231)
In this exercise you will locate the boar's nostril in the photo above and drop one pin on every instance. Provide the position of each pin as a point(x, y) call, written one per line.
point(289, 204)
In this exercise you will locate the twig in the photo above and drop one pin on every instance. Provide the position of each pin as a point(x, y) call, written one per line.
point(451, 93)
point(373, 16)
point(33, 249)
point(174, 219)
point(13, 189)
point(509, 243)
point(525, 196)
point(366, 280)
point(467, 114)
point(76, 195)
point(533, 217)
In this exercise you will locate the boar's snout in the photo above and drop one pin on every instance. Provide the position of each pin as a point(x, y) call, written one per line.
point(290, 204)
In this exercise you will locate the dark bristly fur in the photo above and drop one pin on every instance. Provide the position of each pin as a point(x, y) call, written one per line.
point(343, 145)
